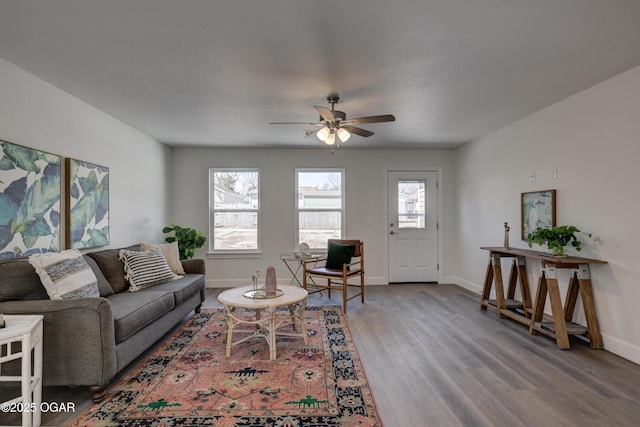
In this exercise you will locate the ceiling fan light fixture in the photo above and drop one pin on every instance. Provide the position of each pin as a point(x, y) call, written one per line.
point(343, 134)
point(331, 139)
point(323, 133)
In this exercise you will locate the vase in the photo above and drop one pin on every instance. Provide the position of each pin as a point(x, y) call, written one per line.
point(270, 284)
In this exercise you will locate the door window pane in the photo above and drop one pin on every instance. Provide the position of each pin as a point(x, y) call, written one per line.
point(411, 204)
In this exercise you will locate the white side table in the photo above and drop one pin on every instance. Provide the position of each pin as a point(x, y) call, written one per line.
point(25, 330)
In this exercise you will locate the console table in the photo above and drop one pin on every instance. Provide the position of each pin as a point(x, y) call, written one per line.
point(531, 313)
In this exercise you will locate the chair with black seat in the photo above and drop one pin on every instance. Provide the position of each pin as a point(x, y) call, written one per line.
point(344, 264)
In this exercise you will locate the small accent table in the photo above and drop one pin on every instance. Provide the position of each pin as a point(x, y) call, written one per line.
point(26, 331)
point(269, 328)
point(559, 326)
point(294, 261)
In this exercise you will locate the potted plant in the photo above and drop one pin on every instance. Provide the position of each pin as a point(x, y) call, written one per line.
point(557, 238)
point(188, 239)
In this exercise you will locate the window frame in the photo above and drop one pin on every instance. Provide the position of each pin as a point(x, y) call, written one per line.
point(211, 251)
point(298, 210)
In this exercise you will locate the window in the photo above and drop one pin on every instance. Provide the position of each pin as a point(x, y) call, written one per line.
point(411, 204)
point(320, 206)
point(234, 210)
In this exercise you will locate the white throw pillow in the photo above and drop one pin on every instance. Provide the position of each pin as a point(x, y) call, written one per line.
point(171, 254)
point(144, 269)
point(65, 274)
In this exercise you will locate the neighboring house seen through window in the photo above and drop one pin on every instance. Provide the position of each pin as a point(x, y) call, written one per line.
point(320, 206)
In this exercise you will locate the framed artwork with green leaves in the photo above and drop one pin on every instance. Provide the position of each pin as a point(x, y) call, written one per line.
point(29, 201)
point(87, 207)
point(538, 209)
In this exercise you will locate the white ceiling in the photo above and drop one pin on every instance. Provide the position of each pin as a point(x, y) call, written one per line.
point(216, 72)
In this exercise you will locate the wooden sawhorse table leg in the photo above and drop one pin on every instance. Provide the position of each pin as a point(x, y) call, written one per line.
point(505, 304)
point(562, 326)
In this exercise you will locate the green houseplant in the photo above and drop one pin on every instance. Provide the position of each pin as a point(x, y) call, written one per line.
point(188, 239)
point(557, 238)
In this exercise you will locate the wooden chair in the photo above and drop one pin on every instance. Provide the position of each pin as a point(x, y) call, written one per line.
point(338, 275)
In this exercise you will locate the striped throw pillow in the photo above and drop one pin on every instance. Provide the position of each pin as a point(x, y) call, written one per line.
point(144, 269)
point(65, 274)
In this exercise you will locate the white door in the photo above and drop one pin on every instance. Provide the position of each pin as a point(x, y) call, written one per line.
point(413, 226)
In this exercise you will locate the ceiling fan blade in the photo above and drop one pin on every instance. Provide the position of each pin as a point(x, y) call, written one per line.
point(297, 123)
point(325, 113)
point(309, 133)
point(357, 131)
point(371, 119)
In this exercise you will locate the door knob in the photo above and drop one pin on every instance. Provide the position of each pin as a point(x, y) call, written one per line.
point(392, 232)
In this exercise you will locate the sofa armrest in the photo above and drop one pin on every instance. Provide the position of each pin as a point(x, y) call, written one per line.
point(193, 266)
point(78, 339)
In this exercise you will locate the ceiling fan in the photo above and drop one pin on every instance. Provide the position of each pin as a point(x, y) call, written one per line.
point(334, 123)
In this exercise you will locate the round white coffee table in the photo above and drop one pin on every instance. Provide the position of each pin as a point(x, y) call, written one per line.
point(269, 327)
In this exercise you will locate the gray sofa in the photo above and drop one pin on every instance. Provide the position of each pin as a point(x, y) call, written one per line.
point(87, 341)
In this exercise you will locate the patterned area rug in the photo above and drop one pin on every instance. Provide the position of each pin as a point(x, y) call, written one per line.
point(188, 381)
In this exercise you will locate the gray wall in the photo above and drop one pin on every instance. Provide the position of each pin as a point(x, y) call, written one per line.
point(365, 192)
point(592, 139)
point(37, 115)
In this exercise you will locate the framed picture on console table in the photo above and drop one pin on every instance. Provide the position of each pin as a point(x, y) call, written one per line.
point(29, 201)
point(87, 207)
point(538, 209)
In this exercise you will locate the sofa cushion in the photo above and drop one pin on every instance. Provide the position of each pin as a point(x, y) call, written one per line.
point(134, 311)
point(103, 284)
point(171, 254)
point(20, 281)
point(144, 269)
point(182, 288)
point(112, 267)
point(65, 275)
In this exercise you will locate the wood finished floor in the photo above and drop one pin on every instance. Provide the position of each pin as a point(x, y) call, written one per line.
point(434, 359)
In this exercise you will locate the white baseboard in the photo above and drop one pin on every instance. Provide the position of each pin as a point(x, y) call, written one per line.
point(621, 348)
point(471, 286)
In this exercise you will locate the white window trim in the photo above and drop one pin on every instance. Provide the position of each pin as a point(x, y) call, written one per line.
point(342, 204)
point(233, 253)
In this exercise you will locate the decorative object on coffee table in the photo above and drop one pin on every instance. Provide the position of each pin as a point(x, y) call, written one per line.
point(271, 283)
point(254, 280)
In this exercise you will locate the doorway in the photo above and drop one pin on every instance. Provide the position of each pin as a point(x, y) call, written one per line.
point(413, 226)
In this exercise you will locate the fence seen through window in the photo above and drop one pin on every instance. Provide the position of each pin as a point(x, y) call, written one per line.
point(234, 209)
